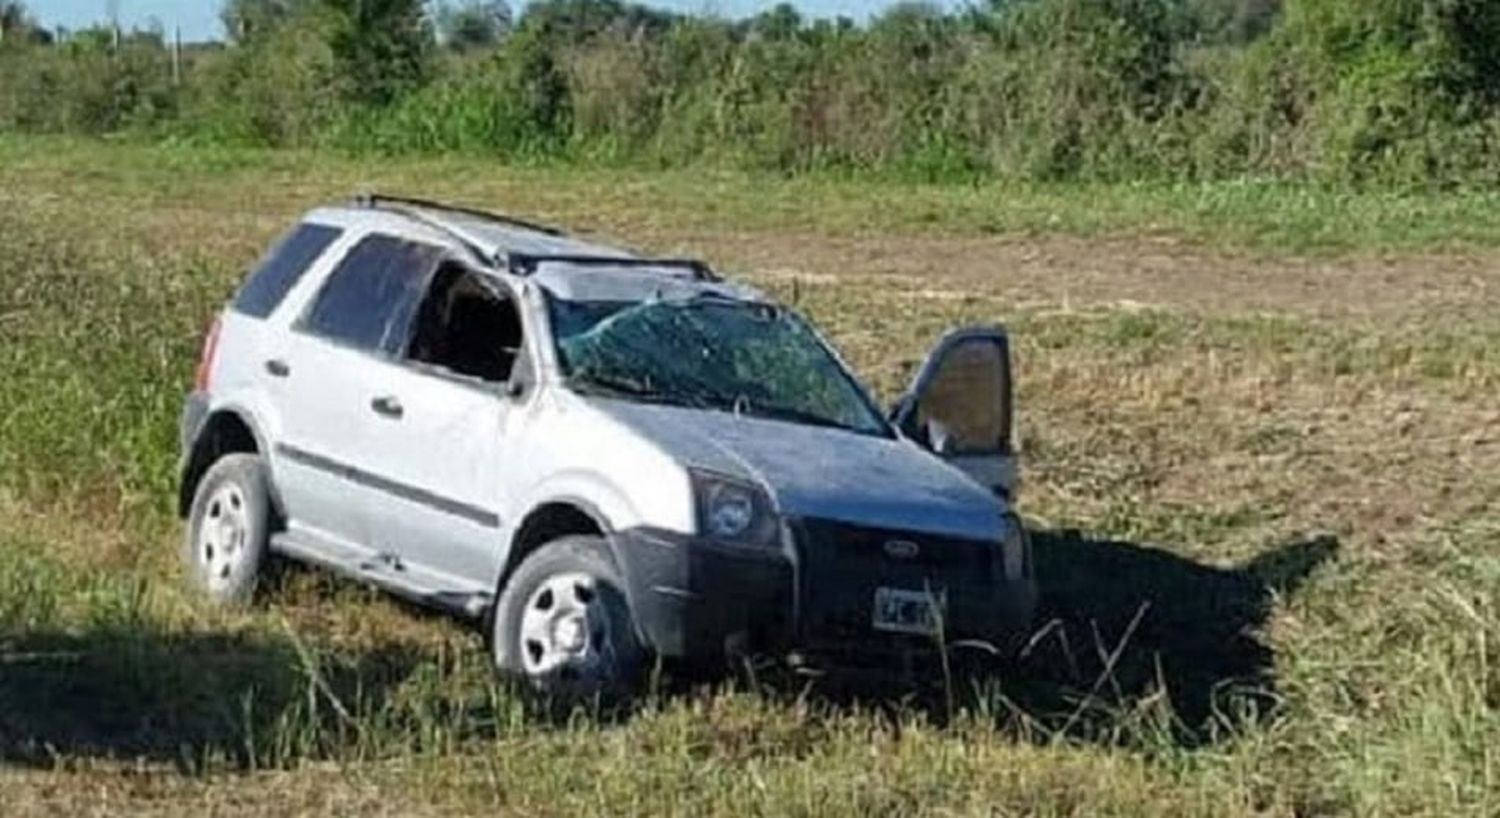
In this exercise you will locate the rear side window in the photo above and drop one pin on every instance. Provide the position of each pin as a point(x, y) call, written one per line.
point(368, 298)
point(282, 267)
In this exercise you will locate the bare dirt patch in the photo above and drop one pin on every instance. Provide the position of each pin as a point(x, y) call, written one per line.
point(1161, 273)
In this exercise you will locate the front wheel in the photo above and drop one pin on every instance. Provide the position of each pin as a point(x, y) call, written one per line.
point(563, 624)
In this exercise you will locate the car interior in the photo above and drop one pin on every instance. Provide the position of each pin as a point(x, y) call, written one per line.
point(465, 327)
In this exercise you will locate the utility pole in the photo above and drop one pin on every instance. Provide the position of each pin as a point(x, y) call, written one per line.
point(176, 56)
point(114, 22)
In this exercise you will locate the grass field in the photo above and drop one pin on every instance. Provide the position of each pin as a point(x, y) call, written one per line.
point(1261, 430)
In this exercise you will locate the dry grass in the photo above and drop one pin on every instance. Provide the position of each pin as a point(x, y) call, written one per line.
point(1285, 469)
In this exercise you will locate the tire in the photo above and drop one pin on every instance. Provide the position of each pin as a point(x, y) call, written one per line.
point(563, 626)
point(228, 531)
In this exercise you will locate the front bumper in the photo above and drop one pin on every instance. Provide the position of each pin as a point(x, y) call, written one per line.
point(697, 599)
point(692, 598)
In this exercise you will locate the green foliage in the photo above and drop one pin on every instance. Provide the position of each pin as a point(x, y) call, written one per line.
point(89, 84)
point(476, 24)
point(1369, 92)
point(280, 88)
point(1234, 22)
point(19, 27)
point(381, 48)
point(1085, 88)
point(1390, 93)
point(247, 21)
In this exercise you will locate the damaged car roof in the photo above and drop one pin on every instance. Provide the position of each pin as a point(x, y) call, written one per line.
point(566, 266)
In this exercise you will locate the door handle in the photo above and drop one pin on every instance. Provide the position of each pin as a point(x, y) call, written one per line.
point(387, 405)
point(278, 368)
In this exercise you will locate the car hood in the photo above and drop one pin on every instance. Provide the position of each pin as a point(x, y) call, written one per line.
point(815, 471)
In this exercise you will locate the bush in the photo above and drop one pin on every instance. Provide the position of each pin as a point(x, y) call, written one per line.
point(1390, 91)
point(280, 88)
point(89, 84)
point(1396, 92)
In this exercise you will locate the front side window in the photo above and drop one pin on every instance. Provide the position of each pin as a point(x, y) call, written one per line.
point(282, 267)
point(709, 352)
point(466, 328)
point(368, 297)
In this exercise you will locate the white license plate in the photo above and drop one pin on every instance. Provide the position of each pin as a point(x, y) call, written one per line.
point(901, 611)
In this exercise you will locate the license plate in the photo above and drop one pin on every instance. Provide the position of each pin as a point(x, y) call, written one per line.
point(901, 611)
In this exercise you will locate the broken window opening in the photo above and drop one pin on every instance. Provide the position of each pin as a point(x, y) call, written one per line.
point(464, 327)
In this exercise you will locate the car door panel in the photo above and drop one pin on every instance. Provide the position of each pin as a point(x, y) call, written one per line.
point(960, 406)
point(443, 410)
point(441, 455)
point(320, 454)
point(318, 373)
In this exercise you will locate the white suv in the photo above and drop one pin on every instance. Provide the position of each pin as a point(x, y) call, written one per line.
point(605, 457)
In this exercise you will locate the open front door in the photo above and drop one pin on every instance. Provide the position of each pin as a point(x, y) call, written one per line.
point(959, 406)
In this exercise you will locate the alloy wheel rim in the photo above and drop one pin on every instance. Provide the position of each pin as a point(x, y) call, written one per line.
point(565, 630)
point(222, 534)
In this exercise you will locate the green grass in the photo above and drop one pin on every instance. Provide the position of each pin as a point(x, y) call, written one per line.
point(1260, 216)
point(1266, 513)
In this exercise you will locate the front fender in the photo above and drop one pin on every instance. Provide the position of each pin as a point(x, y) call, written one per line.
point(590, 492)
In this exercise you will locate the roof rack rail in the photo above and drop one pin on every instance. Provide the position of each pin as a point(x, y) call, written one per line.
point(377, 199)
point(524, 264)
point(457, 235)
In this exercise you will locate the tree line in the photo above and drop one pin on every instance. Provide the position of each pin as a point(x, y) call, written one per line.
point(1366, 92)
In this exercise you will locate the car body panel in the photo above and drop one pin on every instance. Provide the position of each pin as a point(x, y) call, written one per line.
point(444, 456)
point(325, 469)
point(992, 465)
point(572, 449)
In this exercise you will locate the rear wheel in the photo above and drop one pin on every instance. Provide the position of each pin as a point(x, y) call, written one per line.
point(228, 528)
point(563, 625)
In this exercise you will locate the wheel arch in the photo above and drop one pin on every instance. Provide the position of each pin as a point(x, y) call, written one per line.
point(227, 430)
point(550, 520)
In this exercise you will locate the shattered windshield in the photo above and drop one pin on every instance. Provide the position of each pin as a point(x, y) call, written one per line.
point(710, 352)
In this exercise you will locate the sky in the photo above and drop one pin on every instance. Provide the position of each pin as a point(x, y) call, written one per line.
point(199, 19)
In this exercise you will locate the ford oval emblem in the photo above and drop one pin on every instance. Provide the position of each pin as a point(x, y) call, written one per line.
point(902, 549)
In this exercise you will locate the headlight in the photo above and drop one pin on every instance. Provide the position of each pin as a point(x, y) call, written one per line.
point(728, 511)
point(733, 511)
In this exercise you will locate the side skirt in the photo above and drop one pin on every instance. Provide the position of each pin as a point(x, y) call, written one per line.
point(384, 571)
